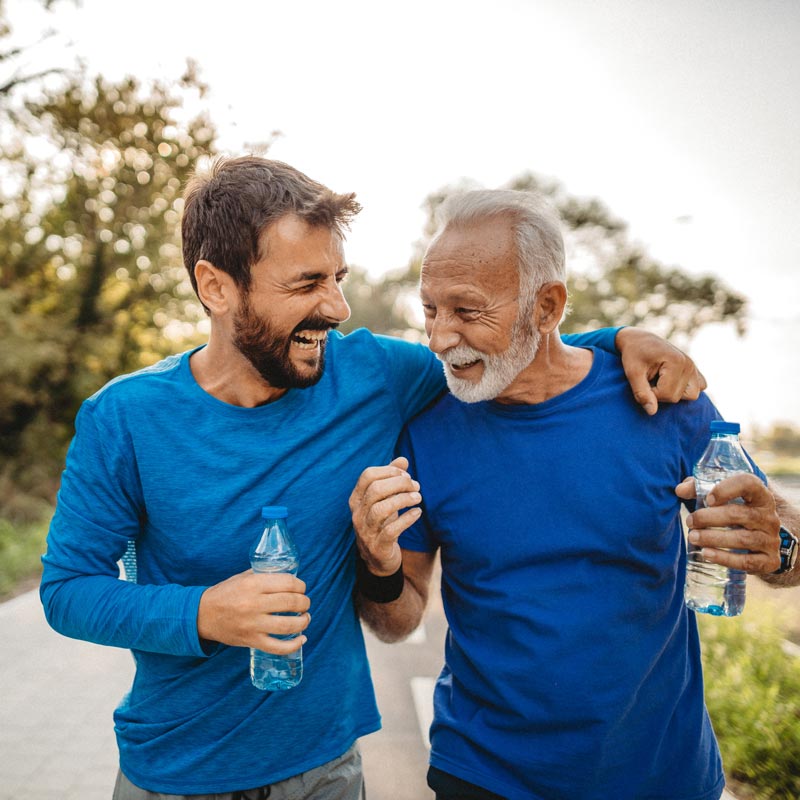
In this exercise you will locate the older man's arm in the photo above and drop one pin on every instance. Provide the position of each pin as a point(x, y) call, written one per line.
point(752, 526)
point(790, 520)
point(392, 585)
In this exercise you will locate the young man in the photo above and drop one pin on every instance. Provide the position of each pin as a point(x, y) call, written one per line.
point(277, 408)
point(572, 666)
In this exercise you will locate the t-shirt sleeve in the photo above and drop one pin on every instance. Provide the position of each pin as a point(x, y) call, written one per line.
point(603, 338)
point(419, 536)
point(415, 375)
point(97, 513)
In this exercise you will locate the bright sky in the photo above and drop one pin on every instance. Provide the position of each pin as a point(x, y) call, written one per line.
point(683, 116)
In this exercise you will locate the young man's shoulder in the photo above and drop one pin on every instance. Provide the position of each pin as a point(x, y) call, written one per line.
point(159, 377)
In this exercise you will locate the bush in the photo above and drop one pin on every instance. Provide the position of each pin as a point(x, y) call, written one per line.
point(753, 698)
point(21, 547)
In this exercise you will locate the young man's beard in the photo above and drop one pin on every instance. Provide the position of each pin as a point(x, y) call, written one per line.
point(268, 352)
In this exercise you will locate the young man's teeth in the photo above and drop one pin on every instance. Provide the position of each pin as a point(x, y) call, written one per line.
point(308, 340)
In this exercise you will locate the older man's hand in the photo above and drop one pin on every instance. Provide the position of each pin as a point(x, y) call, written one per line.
point(723, 526)
point(656, 370)
point(379, 496)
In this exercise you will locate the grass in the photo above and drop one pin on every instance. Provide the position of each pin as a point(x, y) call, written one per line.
point(753, 699)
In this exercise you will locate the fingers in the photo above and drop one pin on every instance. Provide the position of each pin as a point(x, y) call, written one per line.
point(759, 548)
point(749, 487)
point(640, 386)
point(679, 379)
point(279, 647)
point(685, 489)
point(751, 526)
point(245, 608)
point(369, 476)
point(376, 502)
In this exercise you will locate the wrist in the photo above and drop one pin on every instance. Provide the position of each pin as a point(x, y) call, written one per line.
point(788, 552)
point(379, 588)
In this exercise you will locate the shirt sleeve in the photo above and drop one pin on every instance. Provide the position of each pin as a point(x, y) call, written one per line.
point(602, 338)
point(415, 375)
point(98, 511)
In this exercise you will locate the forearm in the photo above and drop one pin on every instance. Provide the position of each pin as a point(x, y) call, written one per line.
point(790, 519)
point(108, 611)
point(604, 338)
point(396, 619)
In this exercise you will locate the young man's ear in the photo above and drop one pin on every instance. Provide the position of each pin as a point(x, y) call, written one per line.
point(550, 304)
point(214, 287)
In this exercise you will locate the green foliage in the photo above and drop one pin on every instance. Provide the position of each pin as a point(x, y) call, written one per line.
point(782, 439)
point(753, 698)
point(612, 280)
point(92, 282)
point(21, 547)
point(383, 306)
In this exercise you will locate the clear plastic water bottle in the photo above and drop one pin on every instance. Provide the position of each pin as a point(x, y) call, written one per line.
point(274, 551)
point(711, 588)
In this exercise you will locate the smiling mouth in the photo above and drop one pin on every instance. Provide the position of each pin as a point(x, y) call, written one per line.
point(308, 340)
point(465, 365)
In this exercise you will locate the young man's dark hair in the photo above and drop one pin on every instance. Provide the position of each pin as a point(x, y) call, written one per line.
point(227, 209)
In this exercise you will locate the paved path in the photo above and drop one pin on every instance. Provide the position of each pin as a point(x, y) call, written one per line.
point(56, 727)
point(58, 695)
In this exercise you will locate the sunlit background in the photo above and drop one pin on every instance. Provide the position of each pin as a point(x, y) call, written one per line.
point(682, 117)
point(679, 120)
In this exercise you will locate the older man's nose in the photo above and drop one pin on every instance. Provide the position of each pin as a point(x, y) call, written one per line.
point(442, 335)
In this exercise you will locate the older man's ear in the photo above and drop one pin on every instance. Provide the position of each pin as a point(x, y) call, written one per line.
point(549, 309)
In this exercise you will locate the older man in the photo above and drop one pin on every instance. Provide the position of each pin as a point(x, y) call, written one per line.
point(572, 667)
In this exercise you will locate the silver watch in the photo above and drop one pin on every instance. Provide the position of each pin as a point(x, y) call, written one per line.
point(788, 551)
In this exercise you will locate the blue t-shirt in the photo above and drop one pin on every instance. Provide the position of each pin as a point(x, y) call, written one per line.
point(572, 667)
point(157, 460)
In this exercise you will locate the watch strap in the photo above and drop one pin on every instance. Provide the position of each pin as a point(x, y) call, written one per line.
point(788, 551)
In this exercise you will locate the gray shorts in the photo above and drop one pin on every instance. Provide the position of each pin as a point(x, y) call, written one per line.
point(340, 779)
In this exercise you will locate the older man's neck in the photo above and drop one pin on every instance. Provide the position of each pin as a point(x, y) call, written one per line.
point(555, 369)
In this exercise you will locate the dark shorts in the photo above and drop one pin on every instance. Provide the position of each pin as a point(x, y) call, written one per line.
point(448, 787)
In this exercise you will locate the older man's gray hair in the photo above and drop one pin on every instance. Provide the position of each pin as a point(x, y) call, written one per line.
point(536, 225)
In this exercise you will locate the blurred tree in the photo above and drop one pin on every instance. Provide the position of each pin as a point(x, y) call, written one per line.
point(12, 73)
point(612, 280)
point(782, 439)
point(384, 305)
point(92, 282)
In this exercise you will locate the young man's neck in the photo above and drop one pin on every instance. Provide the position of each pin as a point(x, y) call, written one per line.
point(223, 372)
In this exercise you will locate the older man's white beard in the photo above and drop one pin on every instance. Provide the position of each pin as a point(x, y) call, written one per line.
point(499, 371)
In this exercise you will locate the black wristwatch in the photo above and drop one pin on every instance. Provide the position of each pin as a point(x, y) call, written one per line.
point(789, 549)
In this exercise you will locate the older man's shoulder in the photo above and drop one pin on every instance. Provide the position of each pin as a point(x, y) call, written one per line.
point(443, 412)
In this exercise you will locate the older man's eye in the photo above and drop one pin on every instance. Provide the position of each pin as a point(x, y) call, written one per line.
point(468, 313)
point(429, 310)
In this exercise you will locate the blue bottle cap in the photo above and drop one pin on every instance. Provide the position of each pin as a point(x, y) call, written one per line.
point(274, 512)
point(720, 426)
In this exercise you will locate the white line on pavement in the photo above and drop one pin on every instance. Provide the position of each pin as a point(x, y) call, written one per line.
point(422, 691)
